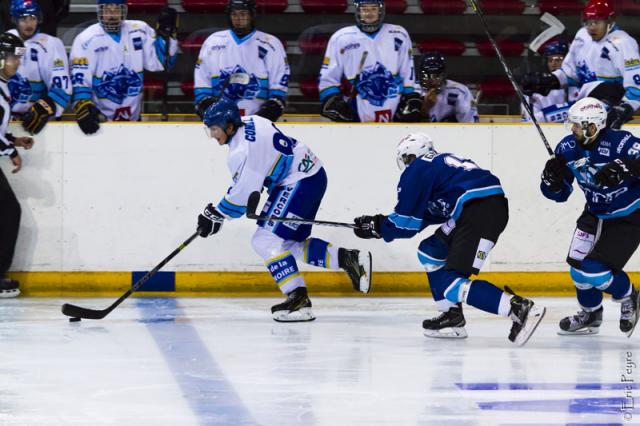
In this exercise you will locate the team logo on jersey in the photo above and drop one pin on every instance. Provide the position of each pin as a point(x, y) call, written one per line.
point(377, 84)
point(117, 86)
point(262, 52)
point(349, 46)
point(20, 89)
point(584, 74)
point(79, 63)
point(605, 54)
point(632, 63)
point(237, 91)
point(34, 55)
point(58, 64)
point(397, 44)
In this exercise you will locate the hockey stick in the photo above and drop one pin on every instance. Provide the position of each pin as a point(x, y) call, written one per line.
point(354, 89)
point(252, 204)
point(526, 105)
point(80, 312)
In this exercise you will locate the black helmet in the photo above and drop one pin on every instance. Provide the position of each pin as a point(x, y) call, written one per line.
point(249, 5)
point(432, 66)
point(10, 45)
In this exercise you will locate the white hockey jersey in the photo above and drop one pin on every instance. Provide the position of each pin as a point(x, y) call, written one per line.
point(454, 104)
point(552, 108)
point(614, 58)
point(44, 71)
point(258, 54)
point(110, 72)
point(6, 146)
point(386, 74)
point(260, 155)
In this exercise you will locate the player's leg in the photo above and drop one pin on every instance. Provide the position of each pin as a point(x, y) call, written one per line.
point(432, 253)
point(9, 226)
point(470, 242)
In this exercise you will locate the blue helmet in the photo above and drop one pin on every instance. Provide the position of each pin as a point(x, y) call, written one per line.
point(222, 113)
point(20, 8)
point(555, 46)
point(373, 26)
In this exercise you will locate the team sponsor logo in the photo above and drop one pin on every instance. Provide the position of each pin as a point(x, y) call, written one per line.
point(604, 151)
point(349, 46)
point(307, 163)
point(137, 43)
point(101, 49)
point(122, 114)
point(218, 47)
point(79, 63)
point(621, 144)
point(262, 52)
point(481, 255)
point(58, 63)
point(395, 32)
point(632, 63)
point(325, 61)
point(34, 55)
point(397, 44)
point(605, 143)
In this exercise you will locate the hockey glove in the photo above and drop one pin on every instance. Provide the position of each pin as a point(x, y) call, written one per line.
point(619, 114)
point(209, 221)
point(336, 109)
point(88, 116)
point(167, 25)
point(271, 109)
point(36, 118)
point(409, 108)
point(539, 82)
point(204, 104)
point(553, 173)
point(369, 226)
point(611, 174)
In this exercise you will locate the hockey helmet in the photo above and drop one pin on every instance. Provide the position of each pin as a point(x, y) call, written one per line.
point(417, 144)
point(10, 46)
point(598, 10)
point(432, 70)
point(369, 27)
point(222, 113)
point(585, 112)
point(109, 21)
point(248, 5)
point(21, 8)
point(555, 46)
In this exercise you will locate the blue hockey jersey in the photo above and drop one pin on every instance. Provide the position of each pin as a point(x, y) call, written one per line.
point(583, 164)
point(434, 189)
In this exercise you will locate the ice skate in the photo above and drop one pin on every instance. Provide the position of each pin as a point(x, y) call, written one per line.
point(297, 307)
point(447, 325)
point(629, 313)
point(9, 288)
point(526, 317)
point(581, 324)
point(357, 264)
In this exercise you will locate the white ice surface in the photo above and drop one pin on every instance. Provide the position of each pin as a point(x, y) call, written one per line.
point(364, 361)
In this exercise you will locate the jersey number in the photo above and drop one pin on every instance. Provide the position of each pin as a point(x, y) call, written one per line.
point(282, 143)
point(636, 79)
point(58, 82)
point(452, 161)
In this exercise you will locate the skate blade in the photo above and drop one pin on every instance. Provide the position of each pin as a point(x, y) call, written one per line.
point(301, 315)
point(630, 332)
point(6, 294)
point(533, 320)
point(582, 332)
point(447, 333)
point(366, 261)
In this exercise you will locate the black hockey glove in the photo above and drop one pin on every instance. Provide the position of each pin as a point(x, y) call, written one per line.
point(619, 114)
point(209, 221)
point(204, 104)
point(167, 25)
point(271, 109)
point(409, 108)
point(38, 116)
point(553, 173)
point(611, 174)
point(539, 82)
point(368, 226)
point(88, 116)
point(336, 109)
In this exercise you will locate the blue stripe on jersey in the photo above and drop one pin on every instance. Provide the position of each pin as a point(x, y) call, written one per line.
point(278, 171)
point(277, 94)
point(81, 93)
point(474, 193)
point(406, 222)
point(621, 212)
point(632, 93)
point(572, 82)
point(230, 209)
point(161, 52)
point(408, 89)
point(611, 79)
point(59, 96)
point(329, 91)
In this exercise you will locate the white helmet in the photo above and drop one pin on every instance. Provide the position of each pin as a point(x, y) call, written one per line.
point(588, 111)
point(417, 144)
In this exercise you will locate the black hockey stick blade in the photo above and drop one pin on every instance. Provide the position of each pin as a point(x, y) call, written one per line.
point(74, 311)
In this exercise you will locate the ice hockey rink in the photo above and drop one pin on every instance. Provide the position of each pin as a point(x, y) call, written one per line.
point(364, 361)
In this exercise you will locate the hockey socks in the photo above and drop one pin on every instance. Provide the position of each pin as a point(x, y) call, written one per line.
point(317, 252)
point(284, 270)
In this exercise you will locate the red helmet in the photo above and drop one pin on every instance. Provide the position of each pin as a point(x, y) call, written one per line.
point(599, 10)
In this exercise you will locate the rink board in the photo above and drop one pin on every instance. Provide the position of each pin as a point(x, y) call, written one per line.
point(97, 208)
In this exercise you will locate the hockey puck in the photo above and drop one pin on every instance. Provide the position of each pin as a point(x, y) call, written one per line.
point(74, 319)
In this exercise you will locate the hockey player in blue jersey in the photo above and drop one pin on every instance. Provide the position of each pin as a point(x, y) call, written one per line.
point(469, 203)
point(606, 165)
point(261, 156)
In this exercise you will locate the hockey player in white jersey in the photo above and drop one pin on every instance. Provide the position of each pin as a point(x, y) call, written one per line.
point(261, 156)
point(108, 60)
point(41, 89)
point(243, 49)
point(444, 100)
point(552, 108)
point(603, 62)
point(377, 59)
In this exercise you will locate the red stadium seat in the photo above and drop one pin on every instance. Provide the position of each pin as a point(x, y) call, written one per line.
point(148, 6)
point(507, 47)
point(446, 46)
point(395, 6)
point(309, 88)
point(497, 88)
point(313, 44)
point(204, 6)
point(324, 6)
point(627, 7)
point(187, 88)
point(153, 88)
point(271, 6)
point(443, 7)
point(502, 7)
point(193, 44)
point(561, 7)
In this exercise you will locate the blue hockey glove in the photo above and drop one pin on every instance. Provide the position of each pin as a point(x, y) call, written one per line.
point(209, 221)
point(613, 173)
point(368, 226)
point(553, 173)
